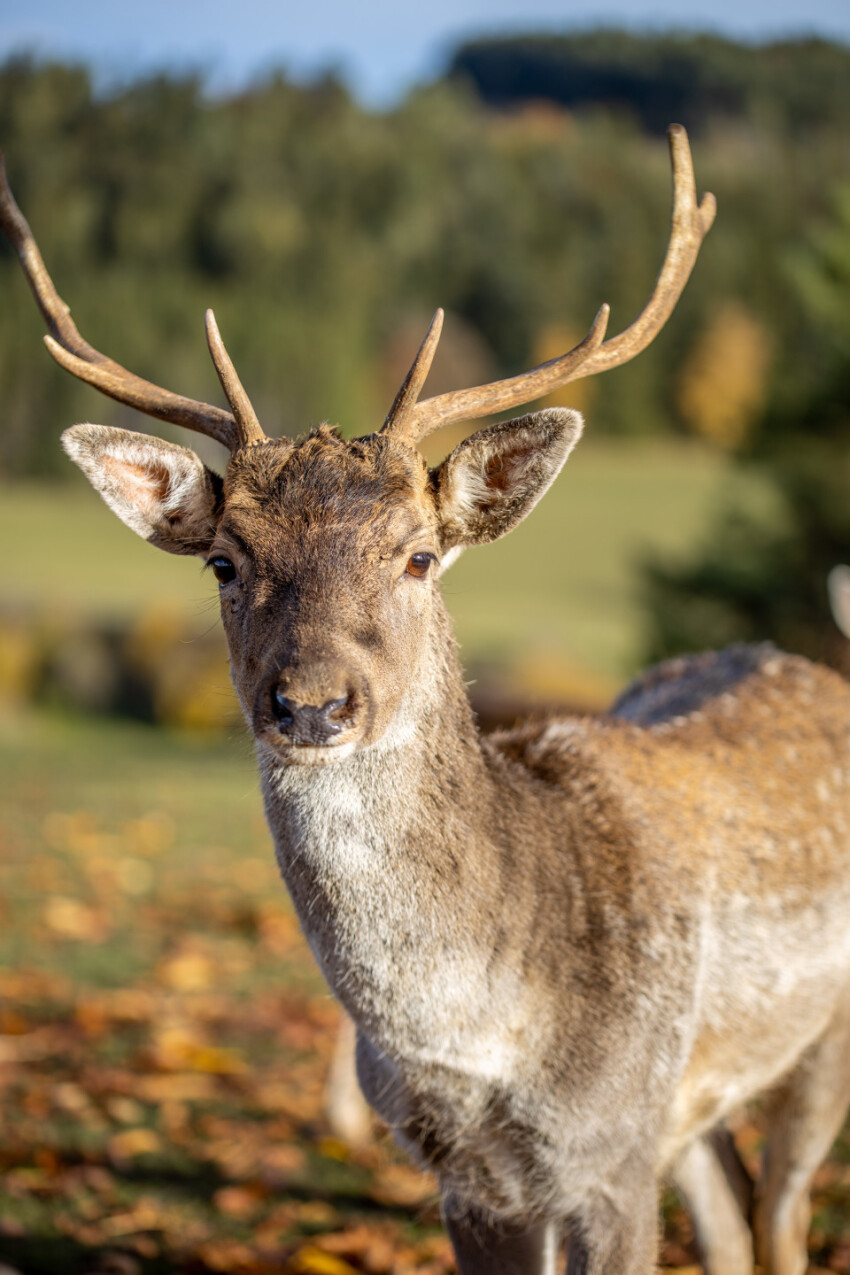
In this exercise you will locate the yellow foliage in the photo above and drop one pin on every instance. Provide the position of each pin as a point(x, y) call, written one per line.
point(723, 383)
point(19, 661)
point(180, 1048)
point(552, 341)
point(190, 677)
point(71, 919)
point(187, 971)
point(312, 1261)
point(546, 676)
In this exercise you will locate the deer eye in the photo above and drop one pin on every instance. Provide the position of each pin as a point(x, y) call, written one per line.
point(223, 570)
point(418, 564)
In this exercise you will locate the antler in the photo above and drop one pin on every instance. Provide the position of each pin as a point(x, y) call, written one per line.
point(411, 421)
point(237, 429)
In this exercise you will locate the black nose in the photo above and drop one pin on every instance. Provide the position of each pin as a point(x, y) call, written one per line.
point(307, 723)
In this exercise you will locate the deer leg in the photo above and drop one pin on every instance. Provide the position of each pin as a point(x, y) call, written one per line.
point(713, 1184)
point(805, 1116)
point(618, 1231)
point(348, 1113)
point(483, 1247)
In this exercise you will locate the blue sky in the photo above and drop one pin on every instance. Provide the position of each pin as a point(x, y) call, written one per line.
point(381, 46)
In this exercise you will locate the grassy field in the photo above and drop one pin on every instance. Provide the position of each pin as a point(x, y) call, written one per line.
point(563, 584)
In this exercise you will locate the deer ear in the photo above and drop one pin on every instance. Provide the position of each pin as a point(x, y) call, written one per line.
point(838, 584)
point(495, 477)
point(165, 493)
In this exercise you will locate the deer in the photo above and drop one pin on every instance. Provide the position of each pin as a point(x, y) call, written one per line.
point(572, 949)
point(838, 590)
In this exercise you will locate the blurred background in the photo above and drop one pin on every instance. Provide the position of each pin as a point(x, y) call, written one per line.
point(325, 180)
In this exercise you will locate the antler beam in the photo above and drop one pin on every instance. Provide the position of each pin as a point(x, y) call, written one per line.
point(72, 352)
point(691, 222)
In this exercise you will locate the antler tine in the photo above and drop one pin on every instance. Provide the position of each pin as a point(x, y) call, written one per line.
point(82, 360)
point(690, 224)
point(400, 416)
point(247, 425)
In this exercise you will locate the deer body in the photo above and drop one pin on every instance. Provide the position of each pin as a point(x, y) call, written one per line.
point(572, 949)
point(595, 916)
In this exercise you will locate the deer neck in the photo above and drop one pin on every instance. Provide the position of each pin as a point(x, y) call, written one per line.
point(387, 853)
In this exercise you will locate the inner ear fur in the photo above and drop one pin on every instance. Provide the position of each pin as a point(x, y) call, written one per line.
point(495, 477)
point(163, 492)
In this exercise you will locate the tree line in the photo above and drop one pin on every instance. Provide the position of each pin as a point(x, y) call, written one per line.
point(325, 235)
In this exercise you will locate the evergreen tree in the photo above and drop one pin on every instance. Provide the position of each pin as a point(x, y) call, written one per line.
point(765, 576)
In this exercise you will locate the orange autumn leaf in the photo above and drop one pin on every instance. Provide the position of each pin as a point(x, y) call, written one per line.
point(239, 1201)
point(133, 1142)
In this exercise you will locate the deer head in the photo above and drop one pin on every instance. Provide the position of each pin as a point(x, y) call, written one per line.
point(327, 551)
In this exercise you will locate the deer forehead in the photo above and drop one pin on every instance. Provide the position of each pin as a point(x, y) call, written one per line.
point(368, 495)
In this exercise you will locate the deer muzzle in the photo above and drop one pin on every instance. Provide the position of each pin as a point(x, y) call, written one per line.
point(311, 723)
point(318, 706)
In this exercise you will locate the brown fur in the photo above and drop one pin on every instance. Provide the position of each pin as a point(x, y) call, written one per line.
point(571, 949)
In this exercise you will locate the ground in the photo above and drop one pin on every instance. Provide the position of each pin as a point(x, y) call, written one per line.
point(165, 1038)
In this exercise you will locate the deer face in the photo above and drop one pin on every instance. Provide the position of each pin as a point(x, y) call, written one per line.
point(326, 551)
point(327, 555)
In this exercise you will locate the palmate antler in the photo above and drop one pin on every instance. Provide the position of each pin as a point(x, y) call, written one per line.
point(411, 421)
point(237, 428)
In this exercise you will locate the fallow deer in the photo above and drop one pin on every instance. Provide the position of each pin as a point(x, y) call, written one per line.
point(572, 949)
point(838, 587)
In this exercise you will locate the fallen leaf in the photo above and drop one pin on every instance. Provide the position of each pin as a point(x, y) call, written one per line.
point(313, 1261)
point(178, 1086)
point(187, 972)
point(335, 1149)
point(282, 1161)
point(125, 1110)
point(239, 1201)
point(400, 1186)
point(373, 1245)
point(132, 1142)
point(71, 919)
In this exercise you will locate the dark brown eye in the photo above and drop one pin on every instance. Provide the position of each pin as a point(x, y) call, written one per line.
point(223, 570)
point(418, 565)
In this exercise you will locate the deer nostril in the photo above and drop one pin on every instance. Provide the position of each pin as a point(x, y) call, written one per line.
point(284, 709)
point(337, 709)
point(311, 723)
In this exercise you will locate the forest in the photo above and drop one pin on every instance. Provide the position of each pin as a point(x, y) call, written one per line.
point(325, 235)
point(519, 191)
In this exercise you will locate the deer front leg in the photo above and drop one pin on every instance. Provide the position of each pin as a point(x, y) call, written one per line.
point(805, 1116)
point(618, 1229)
point(347, 1111)
point(715, 1187)
point(483, 1247)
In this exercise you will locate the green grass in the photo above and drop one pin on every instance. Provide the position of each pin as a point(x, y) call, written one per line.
point(567, 580)
point(123, 818)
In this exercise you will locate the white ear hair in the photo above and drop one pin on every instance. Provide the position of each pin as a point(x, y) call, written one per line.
point(161, 491)
point(496, 476)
